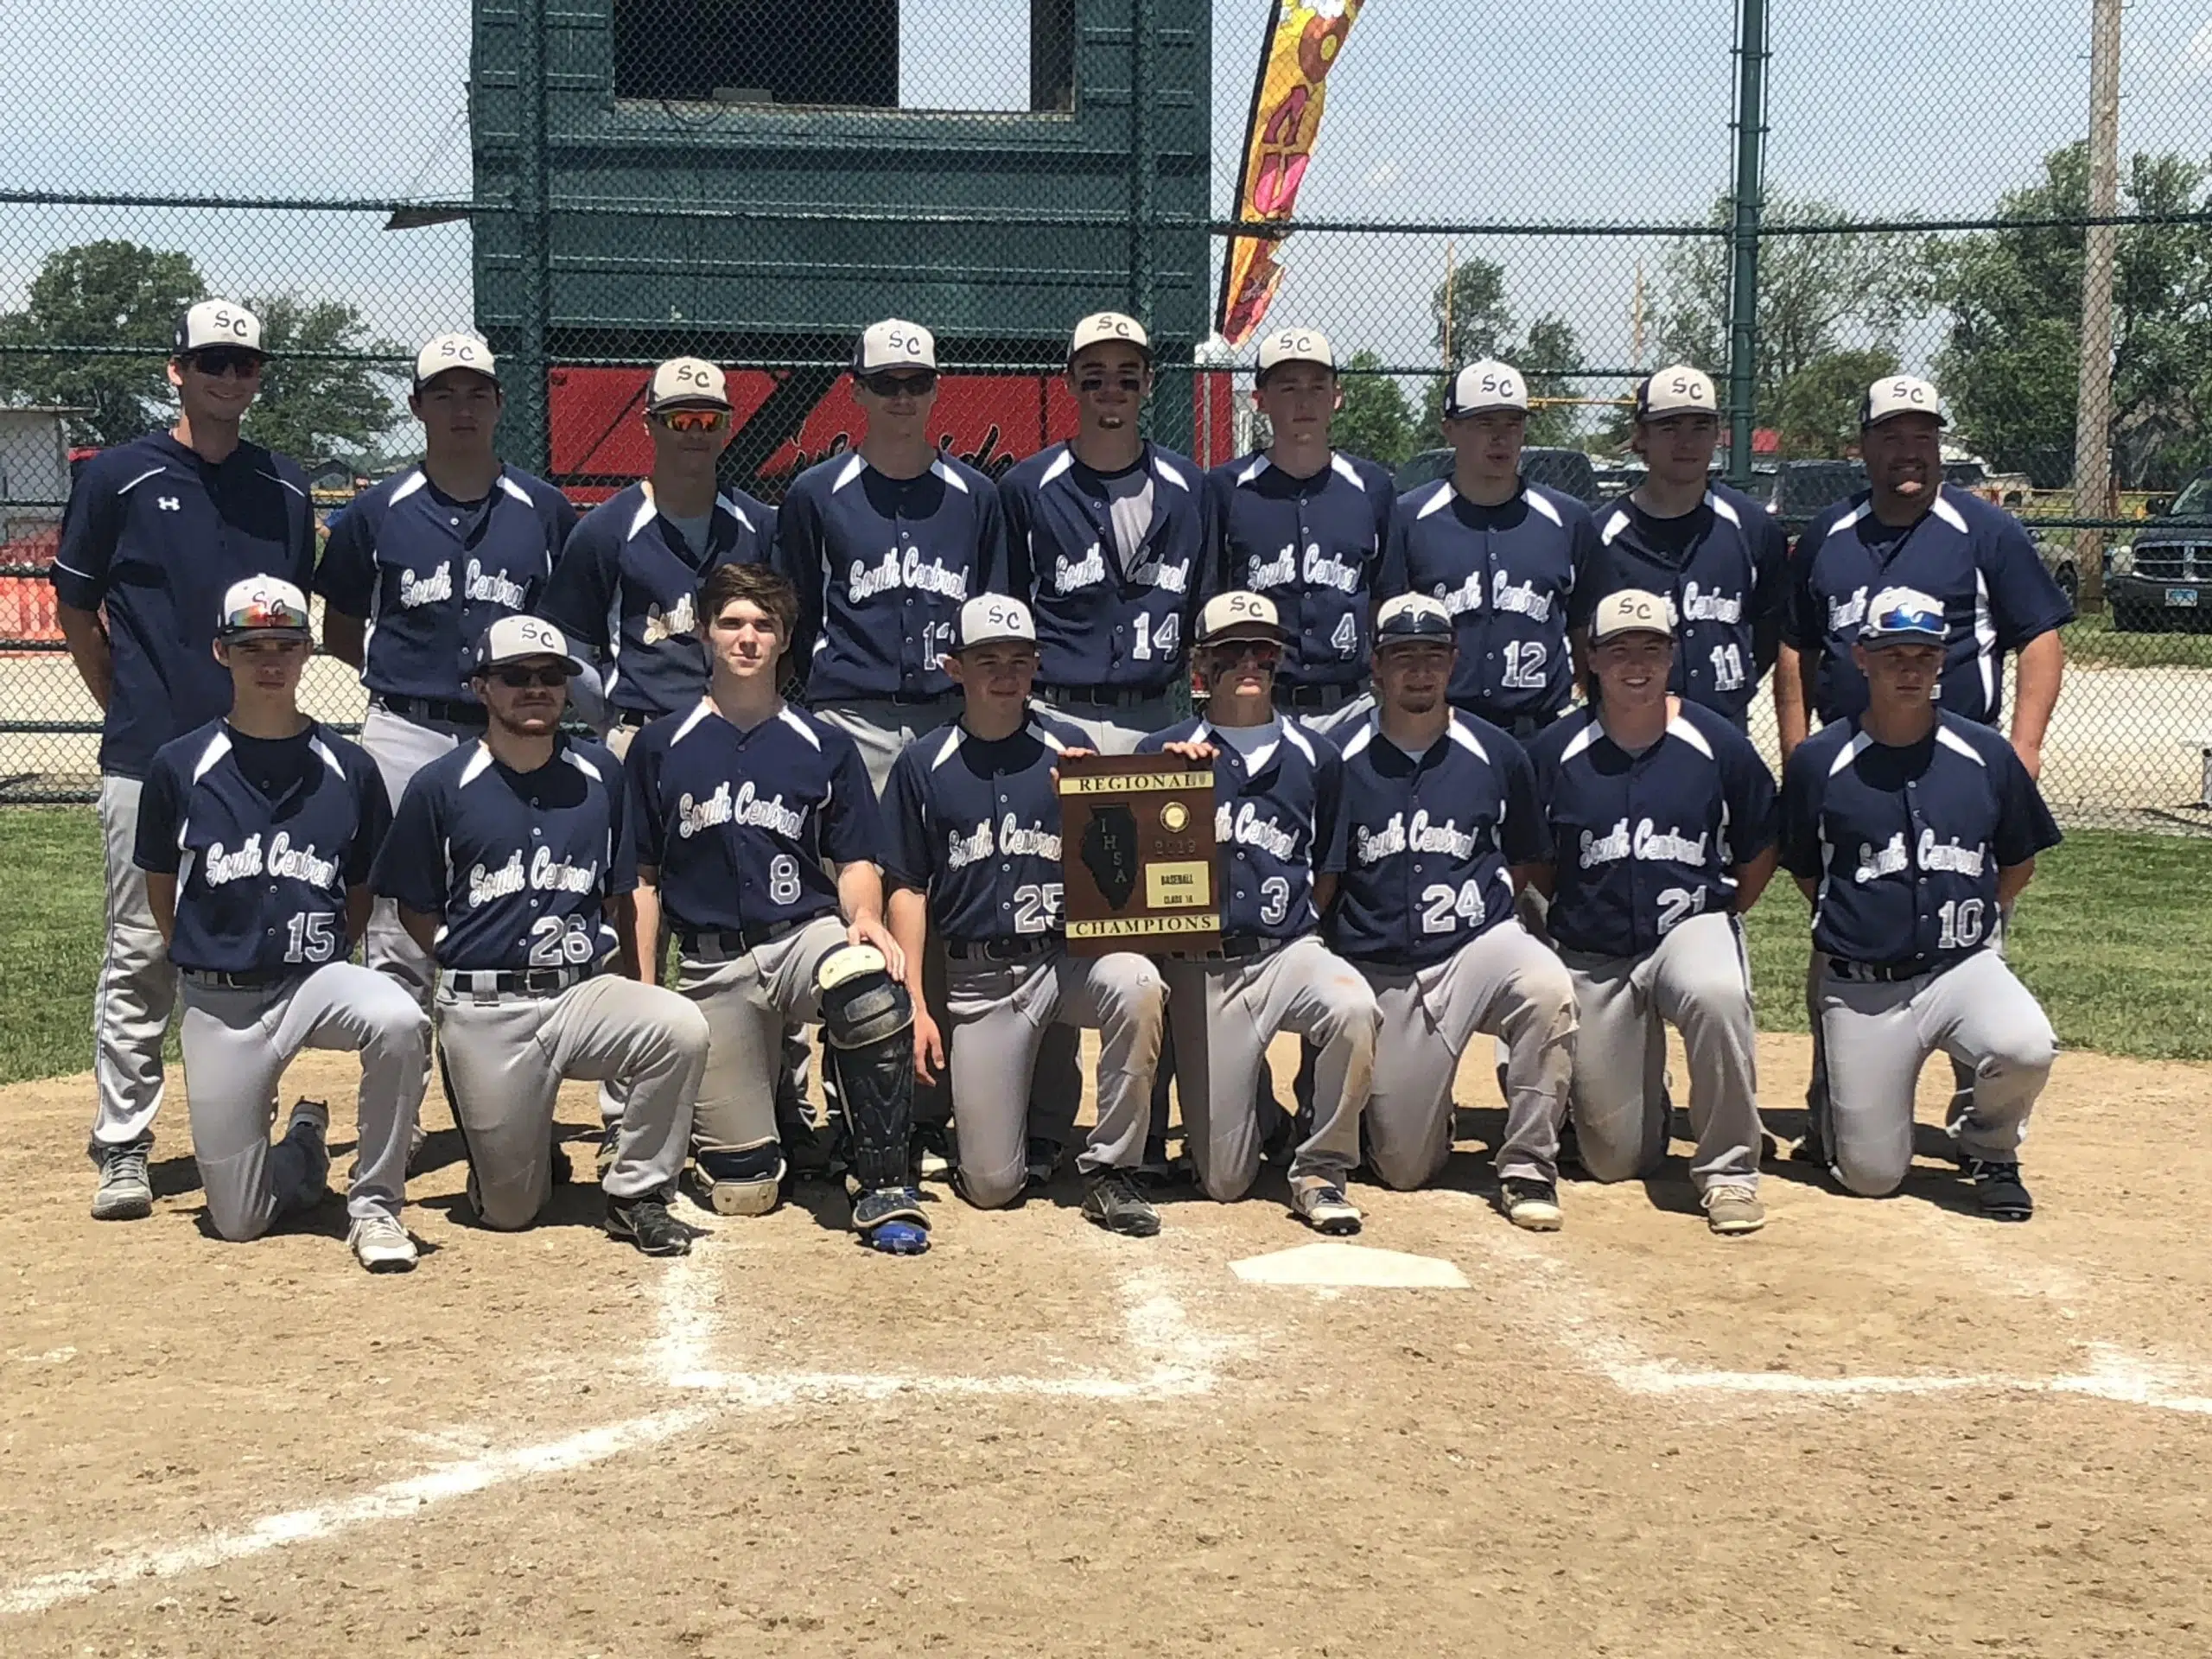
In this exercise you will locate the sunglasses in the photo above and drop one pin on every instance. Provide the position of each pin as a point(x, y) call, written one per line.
point(1265, 652)
point(522, 679)
point(218, 360)
point(1091, 384)
point(694, 420)
point(899, 386)
point(1903, 621)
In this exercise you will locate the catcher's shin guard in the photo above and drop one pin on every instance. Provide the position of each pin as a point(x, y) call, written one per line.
point(868, 1020)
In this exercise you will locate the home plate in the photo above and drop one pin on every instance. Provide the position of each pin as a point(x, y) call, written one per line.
point(1335, 1266)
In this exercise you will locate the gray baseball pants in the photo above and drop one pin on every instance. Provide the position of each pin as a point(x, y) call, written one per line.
point(1878, 1037)
point(1113, 729)
point(1697, 980)
point(1338, 723)
point(1000, 1013)
point(1506, 984)
point(135, 993)
point(506, 1053)
point(747, 999)
point(237, 1043)
point(1224, 1012)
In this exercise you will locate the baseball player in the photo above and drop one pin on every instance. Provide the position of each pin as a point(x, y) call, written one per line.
point(627, 583)
point(883, 546)
point(1910, 529)
point(739, 800)
point(1912, 830)
point(1278, 825)
point(1504, 556)
point(1307, 527)
point(974, 834)
point(1659, 821)
point(415, 570)
point(158, 530)
point(256, 834)
point(1720, 557)
point(1106, 536)
point(511, 860)
point(1439, 807)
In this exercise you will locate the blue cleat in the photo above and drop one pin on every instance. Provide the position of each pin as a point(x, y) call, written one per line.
point(891, 1219)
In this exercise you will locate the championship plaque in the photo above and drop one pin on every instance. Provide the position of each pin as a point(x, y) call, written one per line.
point(1137, 854)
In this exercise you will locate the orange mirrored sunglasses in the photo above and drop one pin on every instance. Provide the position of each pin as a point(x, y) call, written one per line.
point(694, 420)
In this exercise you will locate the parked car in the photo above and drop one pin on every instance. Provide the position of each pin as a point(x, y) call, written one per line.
point(2162, 582)
point(1568, 471)
point(1799, 489)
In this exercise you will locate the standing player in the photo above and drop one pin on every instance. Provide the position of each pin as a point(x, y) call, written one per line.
point(1912, 830)
point(256, 834)
point(1105, 536)
point(1660, 830)
point(739, 801)
point(975, 837)
point(1278, 798)
point(1439, 807)
point(414, 571)
point(156, 531)
point(627, 583)
point(1305, 527)
point(1717, 554)
point(511, 860)
point(883, 546)
point(1504, 556)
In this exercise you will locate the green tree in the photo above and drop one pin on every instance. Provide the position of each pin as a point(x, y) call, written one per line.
point(1472, 320)
point(100, 295)
point(316, 400)
point(1376, 420)
point(1551, 346)
point(1817, 408)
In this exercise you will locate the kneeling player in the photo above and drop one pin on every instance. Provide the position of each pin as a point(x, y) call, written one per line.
point(1659, 835)
point(739, 799)
point(1278, 823)
point(511, 859)
point(256, 833)
point(1437, 805)
point(1912, 831)
point(974, 840)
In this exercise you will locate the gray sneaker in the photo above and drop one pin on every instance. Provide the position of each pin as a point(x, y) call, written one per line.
point(1326, 1210)
point(126, 1189)
point(381, 1244)
point(1731, 1208)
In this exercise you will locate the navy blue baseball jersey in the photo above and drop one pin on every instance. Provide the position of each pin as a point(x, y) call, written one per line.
point(1278, 823)
point(429, 573)
point(155, 535)
point(1905, 843)
point(1428, 839)
point(263, 835)
point(735, 824)
point(1972, 556)
point(1639, 843)
point(628, 585)
point(882, 566)
point(1508, 575)
point(1314, 545)
point(1104, 622)
point(975, 824)
point(517, 865)
point(1725, 563)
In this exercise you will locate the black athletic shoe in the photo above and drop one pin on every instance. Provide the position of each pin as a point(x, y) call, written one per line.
point(933, 1154)
point(1040, 1162)
point(1998, 1186)
point(647, 1225)
point(1570, 1146)
point(556, 1159)
point(1533, 1205)
point(1112, 1200)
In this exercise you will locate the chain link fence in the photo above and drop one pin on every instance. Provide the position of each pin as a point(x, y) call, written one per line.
point(1799, 204)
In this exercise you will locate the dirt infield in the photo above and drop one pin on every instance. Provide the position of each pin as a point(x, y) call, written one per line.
point(1881, 1427)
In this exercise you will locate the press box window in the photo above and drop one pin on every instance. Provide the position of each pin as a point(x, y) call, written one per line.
point(880, 54)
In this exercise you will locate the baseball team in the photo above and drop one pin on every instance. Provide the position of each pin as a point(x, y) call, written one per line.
point(644, 798)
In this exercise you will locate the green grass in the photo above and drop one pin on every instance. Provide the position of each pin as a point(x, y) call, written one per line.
point(2093, 641)
point(50, 939)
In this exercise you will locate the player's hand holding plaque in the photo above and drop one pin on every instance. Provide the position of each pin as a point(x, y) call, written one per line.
point(1137, 854)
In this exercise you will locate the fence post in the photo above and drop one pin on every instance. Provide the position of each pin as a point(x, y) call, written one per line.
point(528, 435)
point(1144, 165)
point(2100, 243)
point(1743, 237)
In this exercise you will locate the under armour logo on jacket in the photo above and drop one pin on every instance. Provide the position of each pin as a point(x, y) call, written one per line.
point(168, 504)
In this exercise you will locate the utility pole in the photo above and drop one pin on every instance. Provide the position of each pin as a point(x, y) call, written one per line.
point(2093, 395)
point(1744, 235)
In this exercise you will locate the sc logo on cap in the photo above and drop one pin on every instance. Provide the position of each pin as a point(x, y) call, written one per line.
point(1683, 386)
point(1000, 614)
point(1504, 386)
point(898, 342)
point(694, 374)
point(460, 351)
point(531, 632)
point(1294, 342)
point(1909, 391)
point(226, 322)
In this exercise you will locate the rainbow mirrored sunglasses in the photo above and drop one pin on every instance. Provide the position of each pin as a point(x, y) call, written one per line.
point(265, 614)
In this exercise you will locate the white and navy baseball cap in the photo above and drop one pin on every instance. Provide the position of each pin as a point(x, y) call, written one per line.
point(991, 620)
point(1631, 610)
point(1411, 616)
point(1900, 394)
point(520, 638)
point(1109, 329)
point(264, 607)
point(1677, 390)
point(217, 322)
point(1902, 616)
point(449, 352)
point(689, 381)
point(1240, 615)
point(894, 343)
point(1486, 385)
point(1296, 345)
